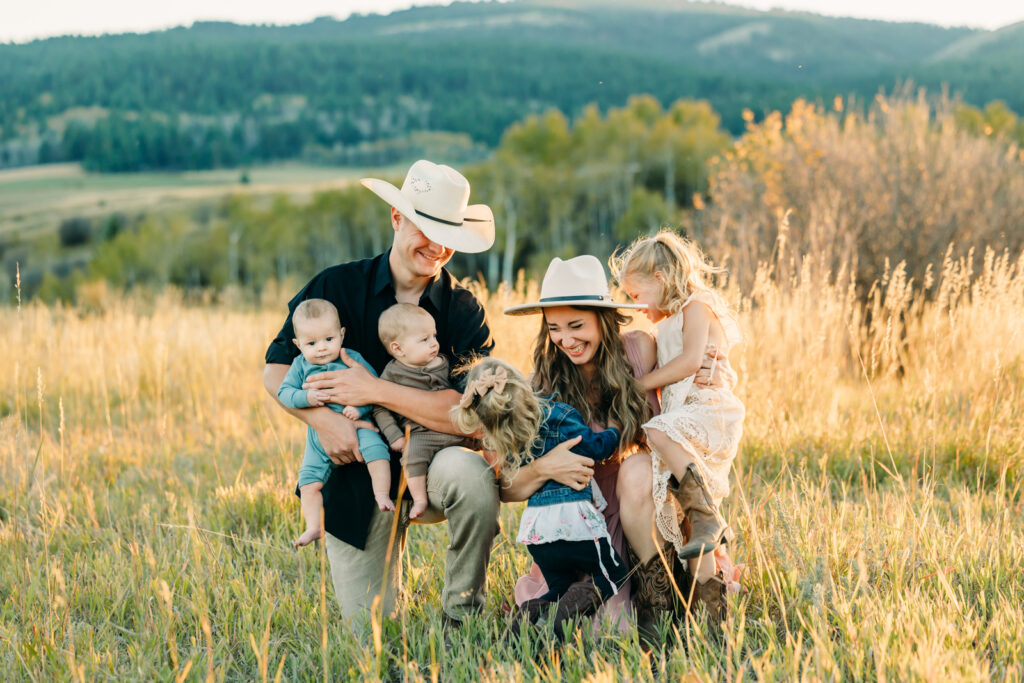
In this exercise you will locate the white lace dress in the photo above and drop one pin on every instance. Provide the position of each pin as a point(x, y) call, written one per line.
point(706, 421)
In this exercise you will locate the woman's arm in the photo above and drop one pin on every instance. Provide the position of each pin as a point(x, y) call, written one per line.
point(559, 464)
point(696, 330)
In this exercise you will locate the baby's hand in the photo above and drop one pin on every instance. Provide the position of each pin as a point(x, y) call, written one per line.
point(398, 444)
point(351, 412)
point(316, 398)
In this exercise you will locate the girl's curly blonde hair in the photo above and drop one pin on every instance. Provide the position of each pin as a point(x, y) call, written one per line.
point(672, 260)
point(508, 419)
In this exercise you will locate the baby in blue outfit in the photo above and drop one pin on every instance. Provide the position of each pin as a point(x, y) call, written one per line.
point(318, 334)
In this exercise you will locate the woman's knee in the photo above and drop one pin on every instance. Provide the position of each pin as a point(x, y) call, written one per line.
point(634, 482)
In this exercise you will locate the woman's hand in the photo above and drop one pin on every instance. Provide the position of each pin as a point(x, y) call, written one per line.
point(559, 464)
point(714, 371)
point(565, 467)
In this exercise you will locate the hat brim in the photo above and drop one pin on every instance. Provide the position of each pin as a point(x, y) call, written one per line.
point(476, 234)
point(539, 306)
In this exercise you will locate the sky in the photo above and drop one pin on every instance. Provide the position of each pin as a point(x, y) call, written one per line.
point(21, 21)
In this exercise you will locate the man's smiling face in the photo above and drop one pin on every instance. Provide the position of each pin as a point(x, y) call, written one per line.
point(416, 254)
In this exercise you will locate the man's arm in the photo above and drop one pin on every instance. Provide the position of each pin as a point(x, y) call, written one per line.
point(356, 386)
point(337, 433)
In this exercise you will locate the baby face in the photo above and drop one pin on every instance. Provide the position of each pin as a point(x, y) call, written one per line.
point(319, 339)
point(417, 346)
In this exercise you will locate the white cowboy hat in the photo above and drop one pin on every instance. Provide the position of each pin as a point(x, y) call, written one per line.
point(580, 281)
point(435, 197)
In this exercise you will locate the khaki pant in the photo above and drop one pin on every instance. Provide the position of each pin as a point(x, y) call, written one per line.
point(461, 489)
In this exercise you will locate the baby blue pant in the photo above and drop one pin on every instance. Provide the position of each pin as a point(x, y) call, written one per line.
point(316, 466)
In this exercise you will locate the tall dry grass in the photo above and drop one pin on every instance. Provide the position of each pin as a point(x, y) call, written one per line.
point(857, 184)
point(146, 506)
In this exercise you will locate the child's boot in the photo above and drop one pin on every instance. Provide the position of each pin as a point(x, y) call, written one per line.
point(580, 600)
point(530, 611)
point(707, 528)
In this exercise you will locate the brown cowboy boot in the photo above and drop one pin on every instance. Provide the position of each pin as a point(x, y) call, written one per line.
point(707, 528)
point(581, 599)
point(653, 592)
point(709, 603)
point(531, 611)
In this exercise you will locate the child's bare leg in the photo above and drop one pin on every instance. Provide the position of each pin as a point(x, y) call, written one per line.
point(707, 528)
point(677, 459)
point(380, 476)
point(418, 489)
point(312, 511)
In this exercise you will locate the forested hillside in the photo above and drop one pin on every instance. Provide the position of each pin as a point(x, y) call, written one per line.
point(219, 95)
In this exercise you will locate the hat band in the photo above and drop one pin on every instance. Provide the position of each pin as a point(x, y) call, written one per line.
point(439, 220)
point(457, 225)
point(580, 297)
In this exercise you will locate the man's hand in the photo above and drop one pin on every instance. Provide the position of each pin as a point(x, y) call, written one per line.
point(350, 412)
point(316, 398)
point(565, 467)
point(352, 387)
point(714, 371)
point(398, 444)
point(338, 436)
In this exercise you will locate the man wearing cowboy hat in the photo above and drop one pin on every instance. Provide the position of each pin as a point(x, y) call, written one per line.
point(431, 220)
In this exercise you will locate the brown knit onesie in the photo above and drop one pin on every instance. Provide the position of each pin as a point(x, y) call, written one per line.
point(423, 442)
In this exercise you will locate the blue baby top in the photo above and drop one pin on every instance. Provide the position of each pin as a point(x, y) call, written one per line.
point(293, 395)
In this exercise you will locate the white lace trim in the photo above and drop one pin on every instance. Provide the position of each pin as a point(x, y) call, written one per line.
point(666, 510)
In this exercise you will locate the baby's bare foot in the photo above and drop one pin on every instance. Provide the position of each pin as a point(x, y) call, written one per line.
point(307, 538)
point(383, 502)
point(418, 508)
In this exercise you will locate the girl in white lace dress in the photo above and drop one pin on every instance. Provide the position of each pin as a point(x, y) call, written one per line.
point(695, 438)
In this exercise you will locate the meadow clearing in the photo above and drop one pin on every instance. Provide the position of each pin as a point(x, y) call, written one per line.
point(34, 200)
point(146, 506)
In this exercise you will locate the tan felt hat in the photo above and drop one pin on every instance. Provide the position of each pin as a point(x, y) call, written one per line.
point(579, 281)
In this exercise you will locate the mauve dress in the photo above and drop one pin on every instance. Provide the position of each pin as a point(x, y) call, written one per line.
point(618, 608)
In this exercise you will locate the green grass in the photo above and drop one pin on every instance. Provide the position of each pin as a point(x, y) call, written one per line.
point(33, 201)
point(146, 519)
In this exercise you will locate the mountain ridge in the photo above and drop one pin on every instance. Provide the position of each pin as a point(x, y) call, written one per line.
point(470, 68)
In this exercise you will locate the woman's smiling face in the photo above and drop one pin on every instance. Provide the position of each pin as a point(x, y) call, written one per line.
point(574, 331)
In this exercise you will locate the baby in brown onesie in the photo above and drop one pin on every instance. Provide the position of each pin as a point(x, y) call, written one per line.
point(410, 336)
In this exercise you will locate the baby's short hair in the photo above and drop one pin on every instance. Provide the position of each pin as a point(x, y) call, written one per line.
point(394, 321)
point(312, 309)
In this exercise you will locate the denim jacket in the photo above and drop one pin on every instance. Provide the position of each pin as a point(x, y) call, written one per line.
point(562, 422)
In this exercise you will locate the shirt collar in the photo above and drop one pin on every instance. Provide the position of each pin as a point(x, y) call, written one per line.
point(382, 279)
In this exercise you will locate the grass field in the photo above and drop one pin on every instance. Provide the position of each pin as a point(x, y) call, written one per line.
point(34, 200)
point(146, 509)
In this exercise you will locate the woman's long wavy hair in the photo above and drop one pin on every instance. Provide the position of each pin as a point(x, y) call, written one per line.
point(619, 396)
point(508, 420)
point(674, 261)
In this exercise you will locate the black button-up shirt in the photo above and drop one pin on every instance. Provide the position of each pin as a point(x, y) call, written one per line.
point(361, 291)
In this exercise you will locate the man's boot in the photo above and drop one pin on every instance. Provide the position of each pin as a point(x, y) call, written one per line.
point(707, 528)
